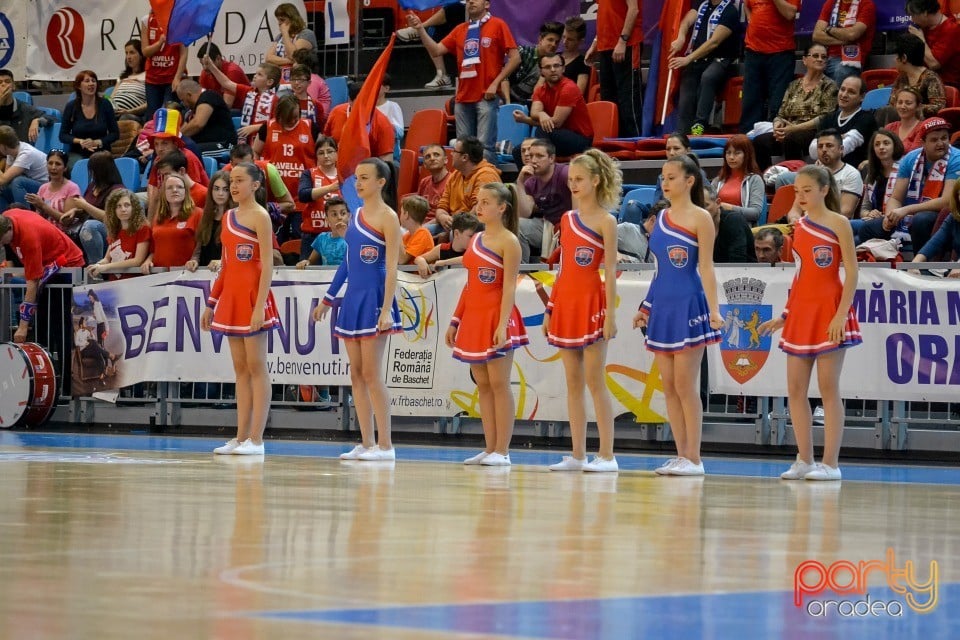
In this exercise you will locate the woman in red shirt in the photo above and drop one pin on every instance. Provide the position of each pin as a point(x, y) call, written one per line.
point(128, 234)
point(175, 227)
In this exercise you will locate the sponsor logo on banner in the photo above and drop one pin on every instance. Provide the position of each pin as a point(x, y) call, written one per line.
point(245, 252)
point(7, 41)
point(678, 255)
point(369, 253)
point(65, 35)
point(823, 255)
point(583, 256)
point(743, 349)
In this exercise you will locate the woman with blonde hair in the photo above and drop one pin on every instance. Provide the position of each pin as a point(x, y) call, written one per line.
point(175, 226)
point(580, 317)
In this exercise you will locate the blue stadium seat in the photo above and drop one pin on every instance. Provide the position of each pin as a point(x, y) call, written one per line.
point(510, 129)
point(210, 165)
point(338, 90)
point(23, 96)
point(635, 203)
point(130, 172)
point(876, 98)
point(80, 174)
point(49, 138)
point(236, 122)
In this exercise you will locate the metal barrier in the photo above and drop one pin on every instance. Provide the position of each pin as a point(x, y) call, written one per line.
point(882, 425)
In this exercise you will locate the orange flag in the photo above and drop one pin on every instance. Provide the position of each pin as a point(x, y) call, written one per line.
point(355, 138)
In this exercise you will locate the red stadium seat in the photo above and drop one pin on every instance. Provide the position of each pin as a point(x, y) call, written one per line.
point(953, 97)
point(951, 115)
point(782, 202)
point(732, 103)
point(428, 126)
point(605, 120)
point(407, 181)
point(878, 78)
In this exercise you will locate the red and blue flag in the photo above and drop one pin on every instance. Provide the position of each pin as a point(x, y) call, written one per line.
point(186, 21)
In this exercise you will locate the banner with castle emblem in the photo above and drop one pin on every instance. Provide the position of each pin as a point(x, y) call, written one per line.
point(743, 350)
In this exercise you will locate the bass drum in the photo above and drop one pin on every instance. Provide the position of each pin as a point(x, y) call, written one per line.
point(28, 385)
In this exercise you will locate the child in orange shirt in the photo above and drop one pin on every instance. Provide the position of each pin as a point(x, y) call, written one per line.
point(417, 240)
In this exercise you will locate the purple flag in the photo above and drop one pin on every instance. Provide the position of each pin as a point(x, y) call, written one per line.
point(525, 18)
point(422, 5)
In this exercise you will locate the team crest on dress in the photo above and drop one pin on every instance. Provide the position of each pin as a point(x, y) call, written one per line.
point(369, 253)
point(583, 256)
point(486, 275)
point(244, 252)
point(679, 255)
point(823, 255)
point(743, 350)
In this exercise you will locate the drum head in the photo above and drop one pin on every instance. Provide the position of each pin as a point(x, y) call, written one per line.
point(43, 397)
point(16, 384)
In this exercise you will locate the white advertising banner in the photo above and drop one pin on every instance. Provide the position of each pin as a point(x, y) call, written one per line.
point(13, 37)
point(336, 23)
point(153, 332)
point(911, 347)
point(64, 38)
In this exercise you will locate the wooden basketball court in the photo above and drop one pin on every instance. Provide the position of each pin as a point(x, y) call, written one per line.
point(154, 537)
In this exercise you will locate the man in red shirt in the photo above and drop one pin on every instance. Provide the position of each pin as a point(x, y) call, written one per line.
point(618, 43)
point(164, 65)
point(941, 35)
point(846, 29)
point(559, 110)
point(434, 160)
point(43, 250)
point(481, 44)
point(768, 58)
point(230, 69)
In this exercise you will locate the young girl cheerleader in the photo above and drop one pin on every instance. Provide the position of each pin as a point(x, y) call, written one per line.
point(680, 313)
point(580, 315)
point(128, 235)
point(368, 311)
point(486, 326)
point(818, 322)
point(241, 305)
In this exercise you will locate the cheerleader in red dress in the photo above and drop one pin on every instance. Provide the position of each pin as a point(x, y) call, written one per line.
point(579, 319)
point(241, 306)
point(486, 326)
point(368, 311)
point(680, 312)
point(818, 322)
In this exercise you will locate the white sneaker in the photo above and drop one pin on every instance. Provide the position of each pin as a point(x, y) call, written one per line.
point(666, 468)
point(354, 454)
point(477, 459)
point(684, 467)
point(227, 448)
point(408, 34)
point(438, 82)
point(248, 448)
point(375, 453)
point(798, 470)
point(822, 471)
point(818, 416)
point(602, 464)
point(569, 463)
point(496, 460)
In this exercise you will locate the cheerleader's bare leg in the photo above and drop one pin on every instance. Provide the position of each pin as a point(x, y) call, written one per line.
point(829, 367)
point(488, 413)
point(798, 387)
point(371, 353)
point(594, 365)
point(573, 369)
point(505, 410)
point(255, 348)
point(238, 353)
point(686, 380)
point(361, 398)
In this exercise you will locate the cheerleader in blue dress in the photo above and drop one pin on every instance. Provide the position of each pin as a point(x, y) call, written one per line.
point(680, 313)
point(364, 320)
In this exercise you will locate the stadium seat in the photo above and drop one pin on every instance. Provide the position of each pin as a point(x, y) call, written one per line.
point(781, 205)
point(605, 120)
point(338, 90)
point(951, 115)
point(953, 96)
point(407, 180)
point(210, 165)
point(428, 126)
point(510, 129)
point(876, 99)
point(23, 96)
point(130, 172)
point(236, 122)
point(879, 78)
point(80, 174)
point(633, 204)
point(732, 104)
point(49, 138)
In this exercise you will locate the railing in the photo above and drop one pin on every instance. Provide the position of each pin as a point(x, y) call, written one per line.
point(758, 422)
